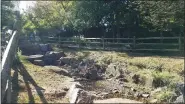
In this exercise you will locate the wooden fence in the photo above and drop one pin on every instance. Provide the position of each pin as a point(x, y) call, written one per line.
point(8, 57)
point(134, 44)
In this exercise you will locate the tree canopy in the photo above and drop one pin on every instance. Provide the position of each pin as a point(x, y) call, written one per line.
point(118, 18)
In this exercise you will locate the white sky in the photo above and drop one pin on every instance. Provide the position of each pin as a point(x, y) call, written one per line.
point(25, 4)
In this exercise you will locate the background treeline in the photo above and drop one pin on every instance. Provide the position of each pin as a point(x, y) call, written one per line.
point(111, 19)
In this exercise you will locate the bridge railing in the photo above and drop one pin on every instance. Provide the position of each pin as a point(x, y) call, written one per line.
point(8, 57)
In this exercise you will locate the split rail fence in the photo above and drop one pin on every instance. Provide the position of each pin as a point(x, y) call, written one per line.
point(7, 62)
point(133, 44)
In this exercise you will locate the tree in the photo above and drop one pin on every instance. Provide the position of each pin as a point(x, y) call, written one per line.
point(121, 17)
point(7, 12)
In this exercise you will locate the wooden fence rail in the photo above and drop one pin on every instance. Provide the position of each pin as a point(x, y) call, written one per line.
point(136, 43)
point(7, 59)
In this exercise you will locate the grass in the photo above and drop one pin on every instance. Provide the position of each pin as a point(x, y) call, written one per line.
point(99, 84)
point(164, 96)
point(24, 98)
point(166, 79)
point(34, 77)
point(155, 71)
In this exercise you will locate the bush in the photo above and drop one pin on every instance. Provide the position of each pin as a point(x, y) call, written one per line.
point(165, 79)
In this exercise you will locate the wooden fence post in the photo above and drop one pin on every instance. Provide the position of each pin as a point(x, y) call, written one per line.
point(103, 43)
point(79, 41)
point(179, 43)
point(162, 39)
point(9, 90)
point(59, 39)
point(134, 42)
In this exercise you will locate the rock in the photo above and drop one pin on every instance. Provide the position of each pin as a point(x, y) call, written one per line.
point(115, 91)
point(73, 86)
point(116, 100)
point(60, 54)
point(39, 62)
point(49, 61)
point(104, 94)
point(80, 79)
point(84, 97)
point(145, 95)
point(44, 47)
point(110, 76)
point(74, 96)
point(31, 58)
point(77, 95)
point(28, 48)
point(179, 89)
point(90, 70)
point(93, 74)
point(57, 62)
point(66, 60)
point(56, 55)
point(72, 93)
point(49, 58)
point(116, 70)
point(179, 99)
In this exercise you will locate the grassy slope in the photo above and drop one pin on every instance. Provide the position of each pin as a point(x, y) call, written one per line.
point(37, 84)
point(147, 67)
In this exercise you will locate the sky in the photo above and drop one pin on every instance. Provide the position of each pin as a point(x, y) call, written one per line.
point(25, 4)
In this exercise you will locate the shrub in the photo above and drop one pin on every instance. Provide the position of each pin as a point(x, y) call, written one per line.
point(164, 79)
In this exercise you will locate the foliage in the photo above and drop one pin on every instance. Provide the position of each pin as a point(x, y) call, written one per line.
point(165, 79)
point(165, 96)
point(7, 13)
point(147, 18)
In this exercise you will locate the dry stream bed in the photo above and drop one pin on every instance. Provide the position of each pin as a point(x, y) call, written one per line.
point(143, 79)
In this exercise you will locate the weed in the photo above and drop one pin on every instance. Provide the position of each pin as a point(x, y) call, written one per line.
point(99, 84)
point(165, 96)
point(165, 78)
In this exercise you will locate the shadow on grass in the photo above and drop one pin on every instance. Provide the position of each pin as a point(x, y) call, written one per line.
point(19, 68)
